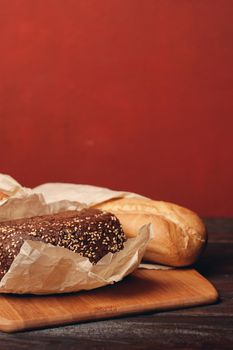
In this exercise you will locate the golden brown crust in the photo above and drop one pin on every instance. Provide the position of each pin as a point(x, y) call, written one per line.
point(3, 196)
point(179, 234)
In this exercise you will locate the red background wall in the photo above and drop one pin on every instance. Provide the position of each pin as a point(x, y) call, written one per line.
point(128, 94)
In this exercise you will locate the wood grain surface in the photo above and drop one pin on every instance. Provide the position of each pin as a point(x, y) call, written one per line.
point(207, 327)
point(144, 291)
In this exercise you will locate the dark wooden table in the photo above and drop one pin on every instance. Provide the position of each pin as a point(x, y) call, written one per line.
point(206, 327)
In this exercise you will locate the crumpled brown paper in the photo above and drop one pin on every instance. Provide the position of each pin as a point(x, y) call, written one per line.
point(41, 268)
point(86, 194)
point(25, 203)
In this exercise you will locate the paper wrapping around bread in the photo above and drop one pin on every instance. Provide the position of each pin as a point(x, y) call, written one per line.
point(179, 235)
point(20, 202)
point(41, 268)
point(86, 194)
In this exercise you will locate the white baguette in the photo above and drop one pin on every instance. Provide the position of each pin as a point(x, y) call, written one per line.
point(179, 234)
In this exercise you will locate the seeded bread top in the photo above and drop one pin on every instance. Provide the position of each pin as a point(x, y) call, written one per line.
point(89, 232)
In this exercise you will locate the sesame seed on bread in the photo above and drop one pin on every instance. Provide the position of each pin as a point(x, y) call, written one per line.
point(90, 232)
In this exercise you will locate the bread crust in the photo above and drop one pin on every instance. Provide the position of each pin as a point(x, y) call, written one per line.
point(3, 196)
point(90, 232)
point(179, 234)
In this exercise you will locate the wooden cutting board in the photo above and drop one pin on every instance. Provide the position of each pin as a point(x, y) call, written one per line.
point(143, 291)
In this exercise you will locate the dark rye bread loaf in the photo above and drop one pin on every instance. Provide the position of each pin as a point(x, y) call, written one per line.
point(89, 232)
